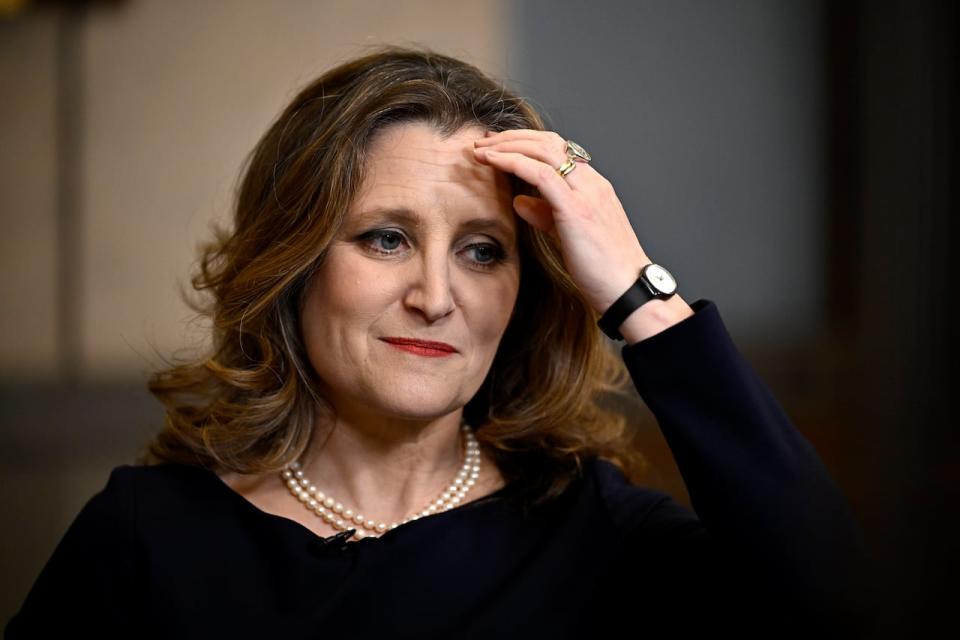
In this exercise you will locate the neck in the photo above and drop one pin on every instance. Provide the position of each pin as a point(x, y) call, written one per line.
point(385, 469)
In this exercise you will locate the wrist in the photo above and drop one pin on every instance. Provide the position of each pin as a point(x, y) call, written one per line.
point(653, 317)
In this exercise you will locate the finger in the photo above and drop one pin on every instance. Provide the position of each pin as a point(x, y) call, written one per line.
point(586, 180)
point(538, 213)
point(512, 134)
point(550, 140)
point(583, 178)
point(533, 148)
point(538, 174)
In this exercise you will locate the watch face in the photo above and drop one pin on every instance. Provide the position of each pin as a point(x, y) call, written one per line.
point(660, 279)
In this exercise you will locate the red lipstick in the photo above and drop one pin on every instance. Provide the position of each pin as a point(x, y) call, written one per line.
point(427, 348)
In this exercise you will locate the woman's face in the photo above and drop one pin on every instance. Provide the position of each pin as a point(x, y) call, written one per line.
point(428, 251)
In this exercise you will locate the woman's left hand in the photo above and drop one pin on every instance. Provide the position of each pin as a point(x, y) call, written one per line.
point(581, 211)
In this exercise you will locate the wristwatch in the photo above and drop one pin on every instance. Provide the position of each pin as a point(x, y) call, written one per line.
point(654, 282)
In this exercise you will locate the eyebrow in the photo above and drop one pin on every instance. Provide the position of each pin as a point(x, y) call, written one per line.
point(405, 214)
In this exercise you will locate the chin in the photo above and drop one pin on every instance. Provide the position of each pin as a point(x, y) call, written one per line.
point(414, 407)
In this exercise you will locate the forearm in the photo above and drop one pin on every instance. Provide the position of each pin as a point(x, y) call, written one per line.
point(755, 482)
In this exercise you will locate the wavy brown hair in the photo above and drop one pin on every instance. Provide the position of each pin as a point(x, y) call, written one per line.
point(249, 405)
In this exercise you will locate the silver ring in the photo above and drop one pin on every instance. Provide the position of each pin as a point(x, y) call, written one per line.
point(576, 152)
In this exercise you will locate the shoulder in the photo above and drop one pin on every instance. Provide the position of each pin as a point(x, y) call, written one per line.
point(129, 479)
point(131, 490)
point(156, 506)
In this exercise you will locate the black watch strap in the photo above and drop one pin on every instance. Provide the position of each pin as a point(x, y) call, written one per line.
point(633, 298)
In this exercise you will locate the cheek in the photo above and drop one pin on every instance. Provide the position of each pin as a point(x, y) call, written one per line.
point(329, 307)
point(348, 290)
point(492, 312)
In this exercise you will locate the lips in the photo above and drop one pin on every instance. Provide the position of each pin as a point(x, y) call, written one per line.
point(426, 344)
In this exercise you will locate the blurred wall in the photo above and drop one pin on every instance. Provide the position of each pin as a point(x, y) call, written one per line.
point(123, 129)
point(28, 199)
point(172, 97)
point(707, 119)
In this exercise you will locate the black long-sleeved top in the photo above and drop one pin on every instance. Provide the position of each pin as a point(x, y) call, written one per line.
point(171, 551)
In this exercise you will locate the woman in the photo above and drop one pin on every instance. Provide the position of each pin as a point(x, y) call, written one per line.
point(398, 430)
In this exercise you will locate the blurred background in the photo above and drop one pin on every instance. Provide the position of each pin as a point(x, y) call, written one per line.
point(795, 162)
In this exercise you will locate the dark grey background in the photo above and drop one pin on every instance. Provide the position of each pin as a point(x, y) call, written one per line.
point(708, 117)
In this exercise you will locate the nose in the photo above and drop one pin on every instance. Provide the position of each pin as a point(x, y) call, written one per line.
point(430, 287)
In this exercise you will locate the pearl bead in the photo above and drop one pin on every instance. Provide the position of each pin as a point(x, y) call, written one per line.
point(326, 508)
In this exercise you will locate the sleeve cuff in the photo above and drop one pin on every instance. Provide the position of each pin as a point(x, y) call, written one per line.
point(682, 343)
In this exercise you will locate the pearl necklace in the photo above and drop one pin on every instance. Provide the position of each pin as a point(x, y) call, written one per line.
point(335, 514)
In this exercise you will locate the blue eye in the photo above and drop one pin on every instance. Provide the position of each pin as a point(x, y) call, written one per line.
point(386, 234)
point(375, 240)
point(494, 252)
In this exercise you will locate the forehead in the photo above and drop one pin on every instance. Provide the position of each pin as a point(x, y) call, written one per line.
point(407, 140)
point(410, 165)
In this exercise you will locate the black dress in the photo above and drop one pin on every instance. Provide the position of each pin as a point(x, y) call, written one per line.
point(773, 550)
